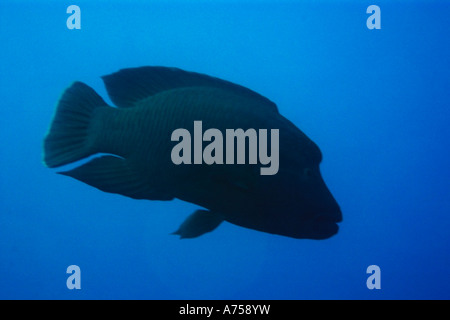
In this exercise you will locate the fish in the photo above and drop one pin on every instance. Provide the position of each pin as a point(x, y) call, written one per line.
point(130, 149)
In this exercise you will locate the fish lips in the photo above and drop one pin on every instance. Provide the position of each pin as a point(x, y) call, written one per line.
point(325, 225)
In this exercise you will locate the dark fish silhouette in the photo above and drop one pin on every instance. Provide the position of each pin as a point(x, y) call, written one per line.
point(136, 138)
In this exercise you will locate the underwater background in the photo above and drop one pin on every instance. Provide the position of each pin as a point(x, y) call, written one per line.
point(377, 103)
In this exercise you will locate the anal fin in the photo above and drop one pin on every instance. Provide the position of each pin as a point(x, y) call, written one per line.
point(112, 174)
point(198, 223)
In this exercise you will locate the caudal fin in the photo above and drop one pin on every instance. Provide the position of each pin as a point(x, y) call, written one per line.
point(68, 138)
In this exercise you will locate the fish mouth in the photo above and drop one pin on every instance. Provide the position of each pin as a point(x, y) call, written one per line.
point(326, 225)
point(335, 217)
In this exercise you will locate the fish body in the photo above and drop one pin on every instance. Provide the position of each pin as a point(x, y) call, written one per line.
point(135, 145)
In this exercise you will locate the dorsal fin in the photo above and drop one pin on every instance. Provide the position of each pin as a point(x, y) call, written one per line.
point(129, 86)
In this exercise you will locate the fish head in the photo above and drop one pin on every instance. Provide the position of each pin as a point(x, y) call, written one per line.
point(317, 212)
point(307, 210)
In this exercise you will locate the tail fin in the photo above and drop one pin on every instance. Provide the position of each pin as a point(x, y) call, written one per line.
point(68, 138)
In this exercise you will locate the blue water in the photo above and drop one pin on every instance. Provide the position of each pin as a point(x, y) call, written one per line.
point(375, 101)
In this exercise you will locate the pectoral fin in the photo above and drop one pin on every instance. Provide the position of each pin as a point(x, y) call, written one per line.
point(198, 223)
point(112, 174)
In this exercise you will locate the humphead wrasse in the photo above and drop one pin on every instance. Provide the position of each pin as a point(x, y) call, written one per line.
point(174, 134)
